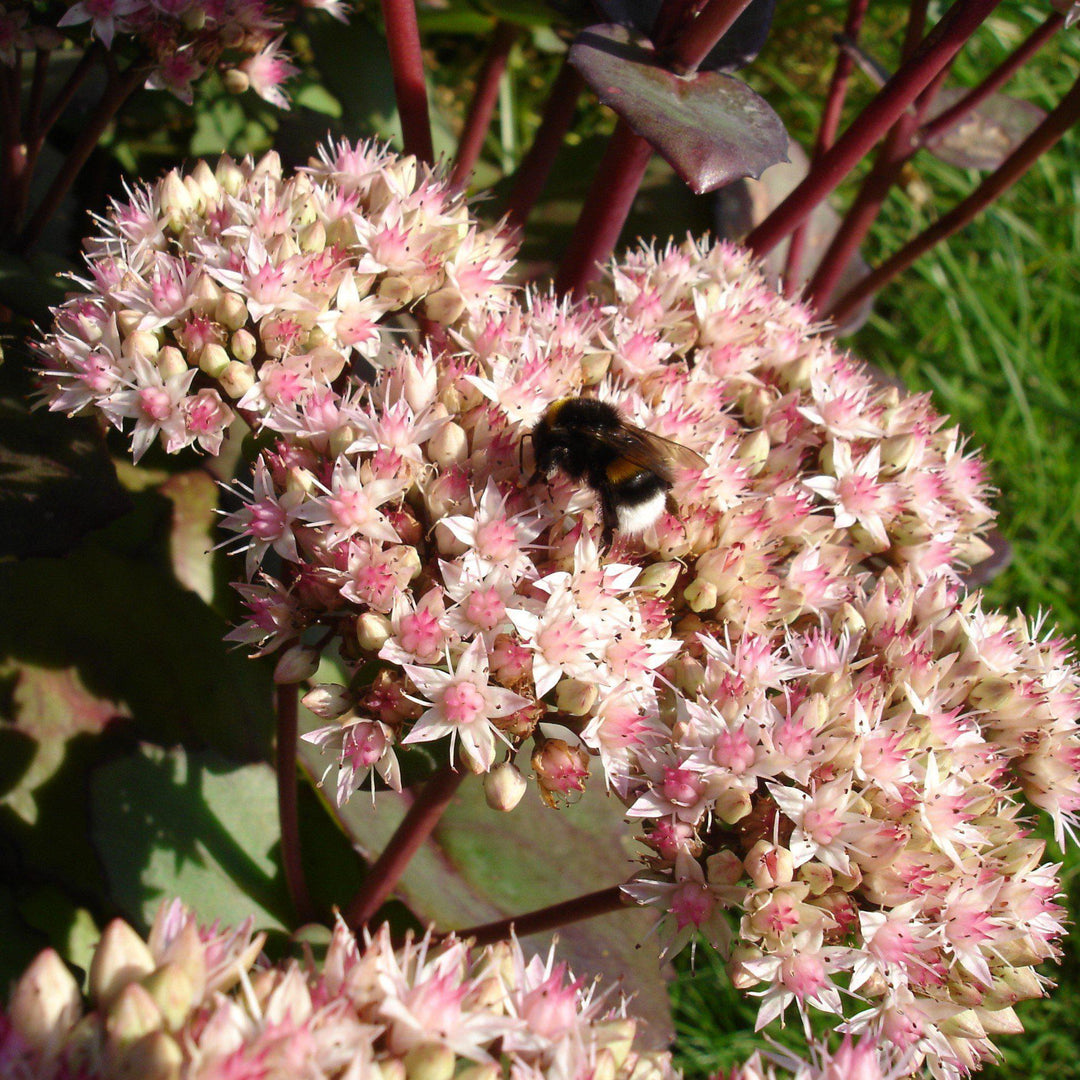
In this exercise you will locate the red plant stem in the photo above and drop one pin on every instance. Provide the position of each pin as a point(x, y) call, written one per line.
point(287, 705)
point(534, 169)
point(1015, 165)
point(697, 40)
point(996, 79)
point(65, 94)
point(957, 25)
point(916, 27)
point(37, 93)
point(607, 205)
point(483, 103)
point(830, 123)
point(422, 817)
point(407, 65)
point(602, 902)
point(116, 93)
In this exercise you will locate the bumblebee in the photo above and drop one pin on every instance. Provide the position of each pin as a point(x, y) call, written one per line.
point(629, 468)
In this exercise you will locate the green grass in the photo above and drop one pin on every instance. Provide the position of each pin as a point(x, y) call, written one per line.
point(989, 323)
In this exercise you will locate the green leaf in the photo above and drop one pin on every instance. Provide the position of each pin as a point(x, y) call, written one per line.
point(217, 126)
point(194, 496)
point(189, 825)
point(317, 98)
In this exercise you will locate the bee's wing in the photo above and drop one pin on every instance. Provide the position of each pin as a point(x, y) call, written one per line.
point(653, 452)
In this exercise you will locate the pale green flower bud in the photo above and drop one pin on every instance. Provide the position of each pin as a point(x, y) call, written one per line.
point(203, 175)
point(489, 1071)
point(701, 595)
point(131, 1015)
point(140, 343)
point(594, 367)
point(128, 320)
point(172, 993)
point(229, 175)
point(213, 359)
point(1000, 1021)
point(964, 1024)
point(231, 311)
point(724, 868)
point(156, 1056)
point(45, 1003)
point(237, 378)
point(769, 865)
point(243, 346)
point(430, 1062)
point(575, 697)
point(121, 958)
point(372, 631)
point(741, 955)
point(817, 876)
point(733, 805)
point(313, 238)
point(171, 361)
point(397, 290)
point(504, 787)
point(659, 578)
point(445, 305)
point(754, 451)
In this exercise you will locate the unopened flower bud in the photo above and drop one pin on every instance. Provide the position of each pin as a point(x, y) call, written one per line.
point(176, 201)
point(847, 618)
point(45, 1003)
point(964, 1024)
point(229, 175)
point(561, 769)
point(243, 346)
point(269, 165)
point(448, 446)
point(237, 379)
point(155, 1056)
point(754, 451)
point(327, 701)
point(1000, 1021)
point(594, 367)
point(372, 631)
point(817, 876)
point(397, 290)
point(430, 1061)
point(231, 311)
point(171, 362)
point(445, 305)
point(575, 697)
point(128, 321)
point(724, 868)
point(504, 786)
point(489, 1071)
point(296, 663)
point(740, 977)
point(213, 359)
point(172, 992)
point(131, 1015)
point(313, 238)
point(701, 595)
point(203, 175)
point(659, 578)
point(769, 865)
point(733, 805)
point(140, 343)
point(121, 957)
point(236, 81)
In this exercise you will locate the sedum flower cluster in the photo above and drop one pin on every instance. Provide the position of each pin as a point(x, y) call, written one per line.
point(829, 747)
point(242, 289)
point(176, 41)
point(195, 1002)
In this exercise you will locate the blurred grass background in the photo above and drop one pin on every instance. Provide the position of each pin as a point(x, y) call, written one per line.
point(989, 323)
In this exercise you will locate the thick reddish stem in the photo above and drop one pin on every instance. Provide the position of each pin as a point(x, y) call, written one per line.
point(863, 213)
point(830, 124)
point(699, 37)
point(996, 79)
point(407, 64)
point(602, 902)
point(415, 828)
point(607, 205)
point(958, 24)
point(533, 171)
point(116, 93)
point(287, 779)
point(65, 94)
point(483, 103)
point(1037, 143)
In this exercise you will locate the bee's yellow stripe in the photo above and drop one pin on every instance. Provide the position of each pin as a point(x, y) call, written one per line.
point(621, 469)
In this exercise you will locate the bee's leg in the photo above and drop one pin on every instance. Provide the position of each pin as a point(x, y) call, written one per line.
point(670, 505)
point(610, 520)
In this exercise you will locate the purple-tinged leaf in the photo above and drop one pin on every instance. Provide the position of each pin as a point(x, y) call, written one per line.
point(481, 865)
point(988, 134)
point(711, 128)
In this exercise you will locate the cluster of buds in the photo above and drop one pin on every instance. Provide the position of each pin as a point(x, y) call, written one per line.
point(176, 42)
point(193, 1002)
point(242, 288)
